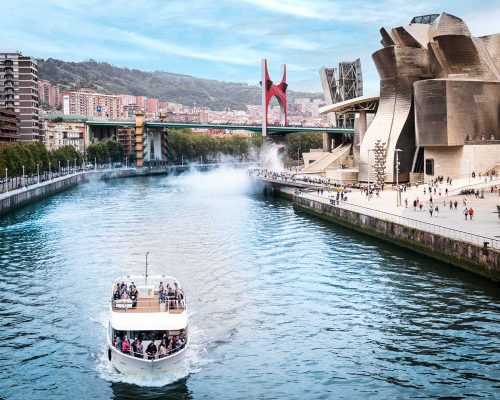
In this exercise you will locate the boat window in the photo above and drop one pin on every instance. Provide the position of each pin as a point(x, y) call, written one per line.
point(147, 335)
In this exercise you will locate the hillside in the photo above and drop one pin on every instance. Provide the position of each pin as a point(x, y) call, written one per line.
point(178, 88)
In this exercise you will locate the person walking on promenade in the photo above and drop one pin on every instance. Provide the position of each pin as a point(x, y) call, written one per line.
point(414, 205)
point(466, 212)
point(436, 211)
point(465, 202)
point(451, 205)
point(431, 210)
point(420, 206)
point(455, 204)
point(471, 213)
point(446, 191)
point(406, 202)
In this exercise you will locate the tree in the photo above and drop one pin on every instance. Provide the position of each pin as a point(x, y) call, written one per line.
point(304, 141)
point(99, 152)
point(115, 150)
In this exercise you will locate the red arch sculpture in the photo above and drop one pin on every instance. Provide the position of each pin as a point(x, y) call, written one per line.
point(270, 90)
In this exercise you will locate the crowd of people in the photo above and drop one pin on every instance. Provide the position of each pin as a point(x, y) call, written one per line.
point(168, 345)
point(173, 296)
point(122, 292)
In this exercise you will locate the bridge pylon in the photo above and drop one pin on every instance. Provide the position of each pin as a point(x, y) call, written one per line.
point(270, 90)
point(139, 139)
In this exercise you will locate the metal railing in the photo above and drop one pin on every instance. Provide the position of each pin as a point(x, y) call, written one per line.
point(153, 305)
point(414, 223)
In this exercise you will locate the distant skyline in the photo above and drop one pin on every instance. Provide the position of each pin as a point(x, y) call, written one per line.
point(223, 40)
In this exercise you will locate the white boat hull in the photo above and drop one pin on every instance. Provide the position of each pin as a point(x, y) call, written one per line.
point(138, 366)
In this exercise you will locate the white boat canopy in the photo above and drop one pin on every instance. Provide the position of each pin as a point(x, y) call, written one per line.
point(162, 321)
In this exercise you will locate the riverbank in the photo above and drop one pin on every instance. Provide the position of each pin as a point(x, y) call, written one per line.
point(448, 237)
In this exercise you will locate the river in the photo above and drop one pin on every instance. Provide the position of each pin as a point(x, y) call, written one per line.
point(282, 305)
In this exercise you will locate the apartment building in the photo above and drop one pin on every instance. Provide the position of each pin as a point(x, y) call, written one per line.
point(48, 93)
point(8, 126)
point(19, 92)
point(90, 102)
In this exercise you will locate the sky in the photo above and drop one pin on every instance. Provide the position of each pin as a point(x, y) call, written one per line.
point(223, 39)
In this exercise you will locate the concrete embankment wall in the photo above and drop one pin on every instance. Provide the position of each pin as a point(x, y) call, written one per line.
point(477, 259)
point(18, 199)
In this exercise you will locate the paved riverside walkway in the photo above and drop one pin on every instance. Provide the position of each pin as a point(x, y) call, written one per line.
point(484, 227)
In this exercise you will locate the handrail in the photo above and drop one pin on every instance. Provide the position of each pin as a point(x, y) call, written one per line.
point(487, 182)
point(438, 229)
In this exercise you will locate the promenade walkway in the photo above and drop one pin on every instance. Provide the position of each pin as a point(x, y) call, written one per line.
point(484, 227)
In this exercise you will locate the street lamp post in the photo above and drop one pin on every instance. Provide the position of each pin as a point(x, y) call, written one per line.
point(59, 168)
point(23, 179)
point(398, 192)
point(298, 156)
point(7, 179)
point(50, 171)
point(67, 164)
point(38, 173)
point(75, 167)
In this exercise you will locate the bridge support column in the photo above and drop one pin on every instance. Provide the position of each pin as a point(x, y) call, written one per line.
point(139, 140)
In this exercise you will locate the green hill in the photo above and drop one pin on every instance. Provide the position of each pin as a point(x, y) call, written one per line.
point(177, 88)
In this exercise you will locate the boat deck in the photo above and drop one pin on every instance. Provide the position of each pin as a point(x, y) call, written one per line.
point(151, 305)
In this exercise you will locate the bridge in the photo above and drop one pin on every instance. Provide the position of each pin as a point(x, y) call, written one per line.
point(148, 138)
point(272, 130)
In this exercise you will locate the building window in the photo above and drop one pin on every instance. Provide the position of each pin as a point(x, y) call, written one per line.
point(429, 166)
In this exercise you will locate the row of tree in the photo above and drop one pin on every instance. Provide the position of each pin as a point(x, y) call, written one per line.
point(15, 156)
point(183, 144)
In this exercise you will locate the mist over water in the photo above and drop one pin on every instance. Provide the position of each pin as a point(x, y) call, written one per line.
point(281, 305)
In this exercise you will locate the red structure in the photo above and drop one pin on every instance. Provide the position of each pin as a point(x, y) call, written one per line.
point(270, 90)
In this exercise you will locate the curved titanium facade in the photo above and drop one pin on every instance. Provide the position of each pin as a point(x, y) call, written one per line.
point(439, 86)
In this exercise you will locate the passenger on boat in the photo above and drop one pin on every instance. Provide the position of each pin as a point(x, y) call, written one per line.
point(125, 345)
point(179, 294)
point(151, 350)
point(134, 294)
point(162, 349)
point(162, 295)
point(137, 348)
point(171, 296)
point(115, 342)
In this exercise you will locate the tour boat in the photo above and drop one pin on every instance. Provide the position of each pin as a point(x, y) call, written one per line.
point(149, 315)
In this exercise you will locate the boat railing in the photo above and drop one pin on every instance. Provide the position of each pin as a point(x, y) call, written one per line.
point(144, 305)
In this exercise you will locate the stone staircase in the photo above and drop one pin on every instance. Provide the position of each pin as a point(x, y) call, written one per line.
point(321, 164)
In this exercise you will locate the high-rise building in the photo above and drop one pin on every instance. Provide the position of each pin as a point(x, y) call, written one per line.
point(19, 92)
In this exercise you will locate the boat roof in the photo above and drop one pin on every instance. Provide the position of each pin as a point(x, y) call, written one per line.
point(140, 279)
point(161, 321)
